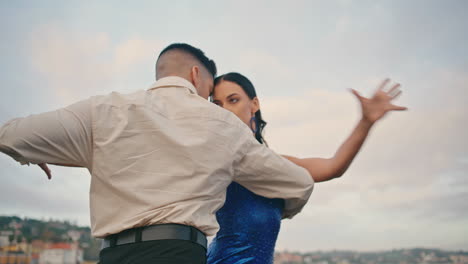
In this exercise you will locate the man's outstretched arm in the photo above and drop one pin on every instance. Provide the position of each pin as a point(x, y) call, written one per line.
point(61, 137)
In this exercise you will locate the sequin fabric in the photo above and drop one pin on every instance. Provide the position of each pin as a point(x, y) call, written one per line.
point(249, 226)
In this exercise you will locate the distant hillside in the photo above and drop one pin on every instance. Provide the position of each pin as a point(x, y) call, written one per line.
point(26, 230)
point(401, 256)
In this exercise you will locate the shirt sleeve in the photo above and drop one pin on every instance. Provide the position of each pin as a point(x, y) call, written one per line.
point(268, 174)
point(61, 137)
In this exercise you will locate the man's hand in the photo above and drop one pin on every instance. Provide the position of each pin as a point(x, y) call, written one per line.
point(379, 104)
point(46, 169)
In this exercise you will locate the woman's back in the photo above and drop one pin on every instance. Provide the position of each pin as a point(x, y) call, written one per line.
point(249, 226)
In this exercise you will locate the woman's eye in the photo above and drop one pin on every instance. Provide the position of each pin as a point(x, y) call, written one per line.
point(234, 100)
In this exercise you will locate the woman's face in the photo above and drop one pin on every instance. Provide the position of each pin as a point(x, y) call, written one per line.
point(232, 97)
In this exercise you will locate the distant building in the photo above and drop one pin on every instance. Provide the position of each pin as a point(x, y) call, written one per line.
point(287, 258)
point(5, 238)
point(16, 257)
point(37, 246)
point(61, 253)
point(459, 259)
point(4, 241)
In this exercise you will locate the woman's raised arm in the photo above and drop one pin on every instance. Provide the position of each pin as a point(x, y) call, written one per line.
point(373, 109)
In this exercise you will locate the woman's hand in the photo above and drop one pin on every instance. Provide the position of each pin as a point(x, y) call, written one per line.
point(379, 104)
point(373, 109)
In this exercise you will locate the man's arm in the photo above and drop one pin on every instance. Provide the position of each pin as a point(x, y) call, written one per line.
point(268, 174)
point(58, 137)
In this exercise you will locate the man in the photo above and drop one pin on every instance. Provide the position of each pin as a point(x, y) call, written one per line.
point(160, 161)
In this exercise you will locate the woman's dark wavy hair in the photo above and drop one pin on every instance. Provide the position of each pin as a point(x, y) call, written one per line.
point(249, 89)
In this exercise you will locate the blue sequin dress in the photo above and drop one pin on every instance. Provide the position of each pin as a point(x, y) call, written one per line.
point(249, 226)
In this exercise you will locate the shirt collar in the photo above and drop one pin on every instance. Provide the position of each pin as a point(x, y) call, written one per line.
point(173, 81)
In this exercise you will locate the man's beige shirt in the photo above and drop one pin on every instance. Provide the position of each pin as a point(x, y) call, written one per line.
point(163, 155)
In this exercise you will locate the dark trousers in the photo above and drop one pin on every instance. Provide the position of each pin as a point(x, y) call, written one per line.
point(170, 251)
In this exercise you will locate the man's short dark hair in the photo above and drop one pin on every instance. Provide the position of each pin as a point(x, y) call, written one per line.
point(197, 53)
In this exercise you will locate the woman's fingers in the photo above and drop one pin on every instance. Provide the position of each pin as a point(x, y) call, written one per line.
point(356, 93)
point(394, 90)
point(398, 108)
point(396, 95)
point(383, 84)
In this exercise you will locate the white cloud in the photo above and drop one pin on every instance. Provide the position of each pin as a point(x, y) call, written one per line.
point(71, 62)
point(407, 175)
point(134, 51)
point(79, 64)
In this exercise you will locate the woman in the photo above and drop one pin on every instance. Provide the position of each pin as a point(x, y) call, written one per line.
point(249, 224)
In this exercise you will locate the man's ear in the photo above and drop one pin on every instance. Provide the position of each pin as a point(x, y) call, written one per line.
point(195, 76)
point(255, 105)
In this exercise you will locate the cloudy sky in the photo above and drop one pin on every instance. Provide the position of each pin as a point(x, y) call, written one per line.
point(407, 188)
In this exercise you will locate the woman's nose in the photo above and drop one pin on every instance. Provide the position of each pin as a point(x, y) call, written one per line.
point(228, 107)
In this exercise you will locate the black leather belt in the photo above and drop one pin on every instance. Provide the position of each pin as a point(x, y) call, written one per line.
point(155, 232)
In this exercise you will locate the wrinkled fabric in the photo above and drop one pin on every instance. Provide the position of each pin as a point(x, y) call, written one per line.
point(249, 226)
point(163, 155)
